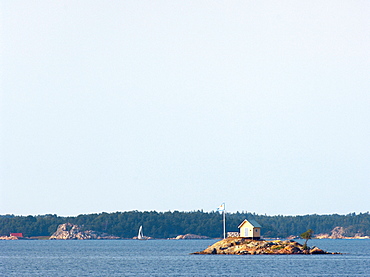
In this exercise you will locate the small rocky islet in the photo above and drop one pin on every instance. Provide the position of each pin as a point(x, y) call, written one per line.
point(243, 246)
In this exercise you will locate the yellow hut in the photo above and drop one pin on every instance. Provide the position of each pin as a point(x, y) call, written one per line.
point(250, 229)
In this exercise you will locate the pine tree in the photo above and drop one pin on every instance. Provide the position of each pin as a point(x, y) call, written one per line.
point(306, 235)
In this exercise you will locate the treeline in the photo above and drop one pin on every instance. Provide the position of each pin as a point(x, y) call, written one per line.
point(170, 224)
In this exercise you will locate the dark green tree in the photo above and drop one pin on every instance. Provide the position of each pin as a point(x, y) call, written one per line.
point(306, 235)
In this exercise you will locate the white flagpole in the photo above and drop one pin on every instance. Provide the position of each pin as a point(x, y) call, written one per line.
point(224, 221)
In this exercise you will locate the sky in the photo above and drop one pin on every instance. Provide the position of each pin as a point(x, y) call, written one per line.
point(184, 105)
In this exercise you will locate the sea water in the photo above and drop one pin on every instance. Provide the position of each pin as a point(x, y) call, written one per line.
point(172, 258)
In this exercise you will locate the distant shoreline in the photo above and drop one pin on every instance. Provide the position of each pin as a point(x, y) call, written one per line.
point(163, 225)
point(267, 239)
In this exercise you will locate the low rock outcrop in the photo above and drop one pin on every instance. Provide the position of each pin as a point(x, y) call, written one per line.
point(241, 246)
point(69, 231)
point(143, 238)
point(8, 238)
point(191, 236)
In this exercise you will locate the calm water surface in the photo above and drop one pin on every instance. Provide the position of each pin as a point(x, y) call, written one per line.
point(171, 258)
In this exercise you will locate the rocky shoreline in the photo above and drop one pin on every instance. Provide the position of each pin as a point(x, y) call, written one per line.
point(242, 246)
point(190, 236)
point(8, 238)
point(340, 233)
point(69, 231)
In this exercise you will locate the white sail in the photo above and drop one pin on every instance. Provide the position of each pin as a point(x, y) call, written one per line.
point(140, 235)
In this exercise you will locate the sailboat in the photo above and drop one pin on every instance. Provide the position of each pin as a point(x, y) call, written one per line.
point(140, 234)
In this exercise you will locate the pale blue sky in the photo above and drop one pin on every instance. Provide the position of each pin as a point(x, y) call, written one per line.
point(182, 105)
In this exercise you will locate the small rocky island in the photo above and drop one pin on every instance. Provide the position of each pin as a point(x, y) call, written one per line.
point(243, 246)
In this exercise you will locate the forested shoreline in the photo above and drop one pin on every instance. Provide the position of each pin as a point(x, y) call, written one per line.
point(170, 224)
